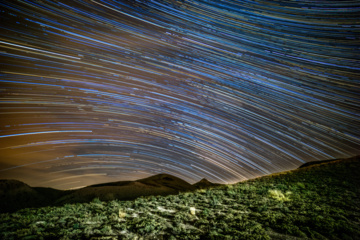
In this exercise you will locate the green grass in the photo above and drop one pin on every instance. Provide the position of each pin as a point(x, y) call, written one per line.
point(319, 202)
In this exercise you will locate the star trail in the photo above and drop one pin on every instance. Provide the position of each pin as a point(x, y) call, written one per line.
point(98, 91)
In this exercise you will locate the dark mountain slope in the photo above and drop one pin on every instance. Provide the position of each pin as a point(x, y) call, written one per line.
point(316, 202)
point(204, 183)
point(308, 164)
point(168, 181)
point(161, 184)
point(15, 195)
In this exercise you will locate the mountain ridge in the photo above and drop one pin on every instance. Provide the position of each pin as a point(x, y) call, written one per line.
point(16, 195)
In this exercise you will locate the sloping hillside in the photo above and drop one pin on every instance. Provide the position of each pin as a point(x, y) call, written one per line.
point(15, 195)
point(204, 183)
point(308, 164)
point(161, 184)
point(316, 202)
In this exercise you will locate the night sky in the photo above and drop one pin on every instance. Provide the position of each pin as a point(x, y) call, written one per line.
point(99, 91)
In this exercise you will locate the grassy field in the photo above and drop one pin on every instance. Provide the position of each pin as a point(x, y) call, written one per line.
point(317, 202)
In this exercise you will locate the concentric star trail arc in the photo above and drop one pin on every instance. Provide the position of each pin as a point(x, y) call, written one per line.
point(99, 91)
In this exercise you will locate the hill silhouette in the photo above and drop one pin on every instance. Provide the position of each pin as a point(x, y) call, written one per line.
point(316, 202)
point(15, 195)
point(204, 183)
point(161, 184)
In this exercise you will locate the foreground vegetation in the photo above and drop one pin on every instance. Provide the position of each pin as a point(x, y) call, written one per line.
point(318, 202)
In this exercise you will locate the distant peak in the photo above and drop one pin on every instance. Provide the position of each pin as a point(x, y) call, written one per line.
point(162, 176)
point(204, 180)
point(12, 183)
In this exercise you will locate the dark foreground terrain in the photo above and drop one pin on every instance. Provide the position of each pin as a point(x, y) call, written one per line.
point(317, 202)
point(16, 195)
